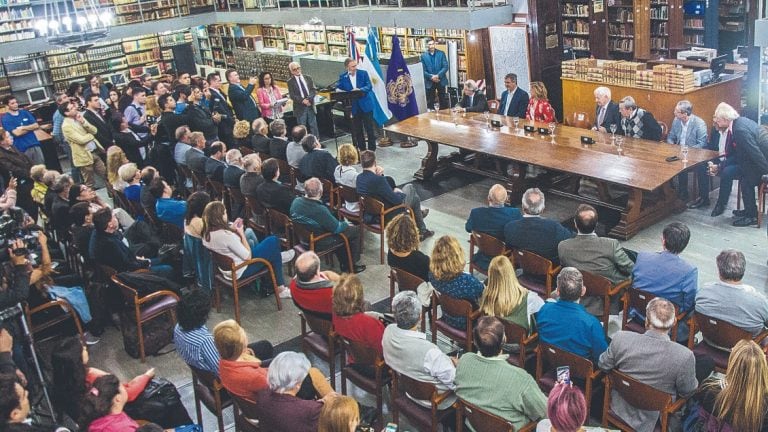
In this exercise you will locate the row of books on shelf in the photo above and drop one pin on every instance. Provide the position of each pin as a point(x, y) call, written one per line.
point(659, 28)
point(571, 9)
point(575, 26)
point(623, 15)
point(621, 45)
point(693, 39)
point(16, 13)
point(660, 12)
point(578, 44)
point(693, 23)
point(623, 30)
point(17, 35)
point(659, 43)
point(631, 74)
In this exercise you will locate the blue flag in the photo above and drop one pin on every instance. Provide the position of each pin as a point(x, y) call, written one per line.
point(401, 97)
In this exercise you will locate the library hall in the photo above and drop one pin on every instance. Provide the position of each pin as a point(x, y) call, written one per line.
point(383, 215)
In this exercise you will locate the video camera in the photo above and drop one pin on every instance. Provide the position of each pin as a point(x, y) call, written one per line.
point(12, 229)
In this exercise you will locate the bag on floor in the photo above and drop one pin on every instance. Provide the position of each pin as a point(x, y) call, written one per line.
point(158, 333)
point(147, 282)
point(159, 403)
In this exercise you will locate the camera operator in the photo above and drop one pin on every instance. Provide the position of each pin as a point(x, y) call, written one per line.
point(16, 164)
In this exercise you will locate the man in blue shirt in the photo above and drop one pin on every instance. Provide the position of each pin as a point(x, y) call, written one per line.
point(664, 274)
point(22, 125)
point(193, 340)
point(168, 209)
point(435, 65)
point(566, 324)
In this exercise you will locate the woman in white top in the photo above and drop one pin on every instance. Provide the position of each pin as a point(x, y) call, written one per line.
point(240, 245)
point(346, 172)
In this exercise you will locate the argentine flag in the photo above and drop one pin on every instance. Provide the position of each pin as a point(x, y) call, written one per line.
point(369, 62)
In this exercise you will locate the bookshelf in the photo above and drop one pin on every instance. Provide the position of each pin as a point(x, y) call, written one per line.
point(660, 28)
point(621, 30)
point(732, 25)
point(413, 42)
point(16, 20)
point(26, 72)
point(274, 36)
point(694, 24)
point(575, 26)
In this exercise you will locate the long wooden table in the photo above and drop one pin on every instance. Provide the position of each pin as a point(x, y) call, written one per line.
point(639, 166)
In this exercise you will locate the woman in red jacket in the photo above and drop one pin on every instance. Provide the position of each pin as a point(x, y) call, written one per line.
point(539, 108)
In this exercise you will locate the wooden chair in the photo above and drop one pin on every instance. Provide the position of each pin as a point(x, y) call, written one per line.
point(367, 357)
point(147, 308)
point(246, 415)
point(407, 281)
point(50, 314)
point(209, 390)
point(638, 300)
point(423, 419)
point(719, 336)
point(458, 308)
point(600, 286)
point(217, 190)
point(134, 208)
point(182, 174)
point(375, 207)
point(257, 216)
point(493, 105)
point(119, 199)
point(538, 272)
point(307, 240)
point(290, 171)
point(487, 245)
point(226, 264)
point(199, 180)
point(281, 226)
point(580, 119)
point(330, 195)
point(664, 130)
point(762, 191)
point(640, 396)
point(237, 200)
point(527, 343)
point(549, 357)
point(483, 421)
point(349, 194)
point(320, 339)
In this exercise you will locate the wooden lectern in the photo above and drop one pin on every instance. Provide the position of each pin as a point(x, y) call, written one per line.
point(346, 98)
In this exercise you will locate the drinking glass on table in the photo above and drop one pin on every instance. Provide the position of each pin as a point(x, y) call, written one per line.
point(613, 131)
point(552, 127)
point(437, 107)
point(516, 121)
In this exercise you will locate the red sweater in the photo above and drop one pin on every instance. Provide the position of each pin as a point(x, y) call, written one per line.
point(243, 378)
point(361, 328)
point(313, 296)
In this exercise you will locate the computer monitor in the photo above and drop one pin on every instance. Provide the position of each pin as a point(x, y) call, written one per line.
point(152, 70)
point(118, 79)
point(717, 65)
point(37, 95)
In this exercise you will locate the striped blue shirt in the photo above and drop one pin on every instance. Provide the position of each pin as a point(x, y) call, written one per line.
point(197, 349)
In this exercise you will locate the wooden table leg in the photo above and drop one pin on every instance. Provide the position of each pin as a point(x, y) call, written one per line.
point(638, 214)
point(428, 163)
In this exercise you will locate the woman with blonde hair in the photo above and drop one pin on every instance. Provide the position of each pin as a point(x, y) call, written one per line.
point(504, 297)
point(340, 414)
point(242, 134)
point(539, 108)
point(115, 159)
point(347, 171)
point(403, 243)
point(741, 399)
point(130, 175)
point(240, 244)
point(447, 276)
point(260, 141)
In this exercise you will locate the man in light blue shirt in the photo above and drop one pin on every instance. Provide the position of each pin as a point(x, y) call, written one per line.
point(689, 129)
point(193, 340)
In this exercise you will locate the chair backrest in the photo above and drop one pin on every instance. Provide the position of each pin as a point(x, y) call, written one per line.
point(664, 130)
point(595, 284)
point(304, 235)
point(488, 244)
point(217, 187)
point(287, 169)
point(637, 394)
point(200, 260)
point(329, 193)
point(247, 408)
point(552, 357)
point(515, 333)
point(416, 389)
point(454, 306)
point(280, 224)
point(245, 150)
point(482, 420)
point(130, 295)
point(719, 332)
point(198, 179)
point(317, 323)
point(405, 280)
point(580, 119)
point(258, 212)
point(207, 378)
point(532, 263)
point(348, 194)
point(223, 262)
point(236, 196)
point(363, 354)
point(639, 299)
point(493, 105)
point(372, 206)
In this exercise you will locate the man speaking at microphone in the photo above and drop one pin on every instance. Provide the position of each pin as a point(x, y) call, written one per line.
point(362, 107)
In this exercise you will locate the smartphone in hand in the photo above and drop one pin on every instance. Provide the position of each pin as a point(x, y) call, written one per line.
point(564, 374)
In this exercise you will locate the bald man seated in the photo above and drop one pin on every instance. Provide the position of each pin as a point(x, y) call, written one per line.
point(491, 219)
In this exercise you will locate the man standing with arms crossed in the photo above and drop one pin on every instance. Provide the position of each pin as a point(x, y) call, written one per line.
point(21, 124)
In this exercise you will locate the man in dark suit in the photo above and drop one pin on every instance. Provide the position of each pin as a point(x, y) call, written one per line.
point(219, 105)
point(473, 99)
point(92, 114)
point(130, 141)
point(301, 90)
point(271, 194)
point(214, 166)
point(362, 107)
point(599, 255)
point(492, 219)
point(652, 359)
point(279, 141)
point(246, 107)
point(195, 156)
point(514, 100)
point(200, 117)
point(606, 111)
point(745, 147)
point(317, 162)
point(234, 169)
point(533, 232)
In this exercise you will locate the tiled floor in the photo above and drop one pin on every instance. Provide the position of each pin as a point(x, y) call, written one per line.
point(448, 214)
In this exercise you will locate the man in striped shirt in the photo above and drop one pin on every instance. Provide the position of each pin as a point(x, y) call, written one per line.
point(193, 340)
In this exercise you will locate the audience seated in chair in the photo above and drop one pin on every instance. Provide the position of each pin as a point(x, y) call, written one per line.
point(252, 178)
point(566, 409)
point(214, 165)
point(312, 289)
point(347, 171)
point(403, 243)
point(505, 298)
point(654, 360)
point(194, 342)
point(731, 300)
point(666, 275)
point(234, 169)
point(407, 350)
point(566, 324)
point(103, 407)
point(195, 156)
point(280, 407)
point(167, 209)
point(339, 414)
point(317, 162)
point(279, 141)
point(490, 382)
point(492, 219)
point(533, 232)
point(294, 152)
point(447, 276)
point(197, 259)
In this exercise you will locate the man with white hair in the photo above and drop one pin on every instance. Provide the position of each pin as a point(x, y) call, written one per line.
point(473, 99)
point(533, 232)
point(633, 353)
point(302, 91)
point(606, 111)
point(690, 130)
point(408, 352)
point(234, 168)
point(281, 408)
point(491, 220)
point(311, 212)
point(746, 157)
point(637, 122)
